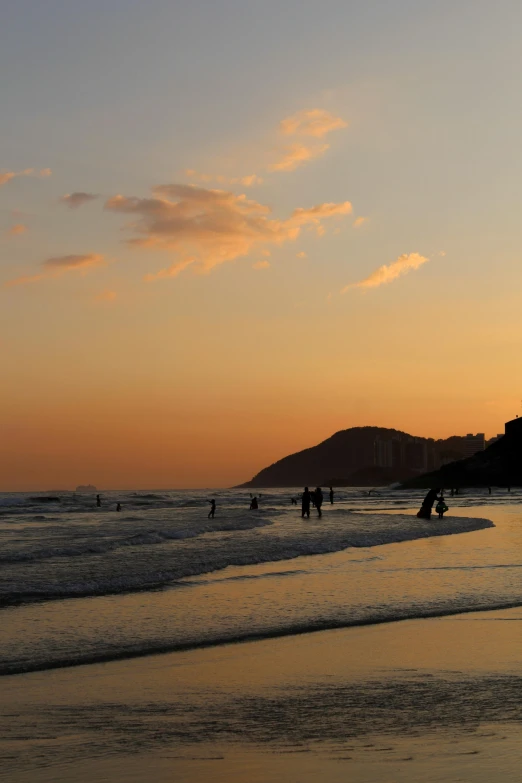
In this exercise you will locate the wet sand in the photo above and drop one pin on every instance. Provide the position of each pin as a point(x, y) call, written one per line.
point(423, 700)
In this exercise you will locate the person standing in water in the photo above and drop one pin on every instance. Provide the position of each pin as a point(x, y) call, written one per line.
point(305, 503)
point(212, 508)
point(118, 507)
point(331, 495)
point(441, 506)
point(254, 503)
point(98, 501)
point(318, 494)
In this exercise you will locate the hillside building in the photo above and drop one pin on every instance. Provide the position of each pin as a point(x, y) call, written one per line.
point(473, 443)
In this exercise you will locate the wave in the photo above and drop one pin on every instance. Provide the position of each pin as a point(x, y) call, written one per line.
point(142, 538)
point(168, 568)
point(9, 668)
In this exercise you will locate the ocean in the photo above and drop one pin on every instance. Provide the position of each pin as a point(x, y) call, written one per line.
point(77, 578)
point(158, 639)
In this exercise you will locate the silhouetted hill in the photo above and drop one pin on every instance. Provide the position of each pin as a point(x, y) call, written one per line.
point(500, 465)
point(360, 456)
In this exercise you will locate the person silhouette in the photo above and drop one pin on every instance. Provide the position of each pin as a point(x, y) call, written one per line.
point(318, 494)
point(118, 507)
point(305, 503)
point(98, 501)
point(254, 503)
point(427, 504)
point(212, 508)
point(294, 501)
point(441, 506)
point(331, 495)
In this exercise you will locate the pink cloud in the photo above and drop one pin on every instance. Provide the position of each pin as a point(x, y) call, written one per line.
point(7, 176)
point(53, 267)
point(312, 122)
point(296, 155)
point(205, 227)
point(389, 272)
point(248, 181)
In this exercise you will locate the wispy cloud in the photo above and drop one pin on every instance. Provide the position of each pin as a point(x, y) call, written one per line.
point(360, 221)
point(321, 211)
point(261, 265)
point(206, 227)
point(303, 126)
point(296, 155)
point(302, 254)
point(389, 272)
point(58, 265)
point(7, 176)
point(66, 263)
point(248, 181)
point(311, 122)
point(75, 200)
point(17, 230)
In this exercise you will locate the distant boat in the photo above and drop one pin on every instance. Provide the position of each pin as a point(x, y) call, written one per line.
point(86, 488)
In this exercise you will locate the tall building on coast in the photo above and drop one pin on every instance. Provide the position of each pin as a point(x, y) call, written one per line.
point(473, 443)
point(401, 451)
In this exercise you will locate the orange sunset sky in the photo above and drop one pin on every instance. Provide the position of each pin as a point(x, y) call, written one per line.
point(229, 230)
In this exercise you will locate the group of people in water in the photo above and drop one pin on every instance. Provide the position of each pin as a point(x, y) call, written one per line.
point(314, 498)
point(254, 504)
point(308, 498)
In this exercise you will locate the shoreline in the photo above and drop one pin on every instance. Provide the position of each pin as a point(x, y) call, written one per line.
point(123, 607)
point(445, 706)
point(251, 638)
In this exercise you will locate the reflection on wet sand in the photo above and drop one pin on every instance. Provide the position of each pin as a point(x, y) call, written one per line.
point(435, 695)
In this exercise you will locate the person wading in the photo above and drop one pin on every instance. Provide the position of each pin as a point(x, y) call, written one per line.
point(318, 494)
point(305, 503)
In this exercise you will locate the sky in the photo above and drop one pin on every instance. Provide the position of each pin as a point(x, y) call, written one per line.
point(229, 229)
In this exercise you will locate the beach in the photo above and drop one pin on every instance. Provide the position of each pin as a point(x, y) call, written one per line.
point(393, 661)
point(417, 700)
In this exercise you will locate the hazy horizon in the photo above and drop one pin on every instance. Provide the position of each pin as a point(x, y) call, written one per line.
point(176, 488)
